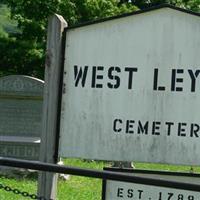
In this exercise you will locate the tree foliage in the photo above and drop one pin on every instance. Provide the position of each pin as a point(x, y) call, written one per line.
point(187, 4)
point(24, 52)
point(16, 55)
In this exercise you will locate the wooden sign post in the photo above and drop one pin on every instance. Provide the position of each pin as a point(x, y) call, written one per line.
point(53, 73)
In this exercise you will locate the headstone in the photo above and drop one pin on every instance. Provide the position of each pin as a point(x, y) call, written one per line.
point(21, 100)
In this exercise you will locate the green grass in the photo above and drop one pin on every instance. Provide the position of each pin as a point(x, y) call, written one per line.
point(78, 188)
point(22, 184)
point(81, 188)
point(166, 167)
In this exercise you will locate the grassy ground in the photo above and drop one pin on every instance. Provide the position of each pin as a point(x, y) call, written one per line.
point(77, 188)
point(23, 184)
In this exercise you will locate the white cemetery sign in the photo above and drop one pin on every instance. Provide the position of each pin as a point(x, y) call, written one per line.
point(113, 190)
point(131, 89)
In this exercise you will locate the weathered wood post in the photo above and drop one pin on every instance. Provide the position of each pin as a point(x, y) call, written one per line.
point(47, 183)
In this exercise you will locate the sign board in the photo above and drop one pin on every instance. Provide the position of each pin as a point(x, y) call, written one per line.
point(131, 89)
point(115, 190)
point(21, 100)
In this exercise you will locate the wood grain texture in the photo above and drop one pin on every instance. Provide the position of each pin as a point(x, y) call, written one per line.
point(53, 66)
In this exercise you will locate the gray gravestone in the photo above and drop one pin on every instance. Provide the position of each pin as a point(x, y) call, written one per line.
point(21, 100)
